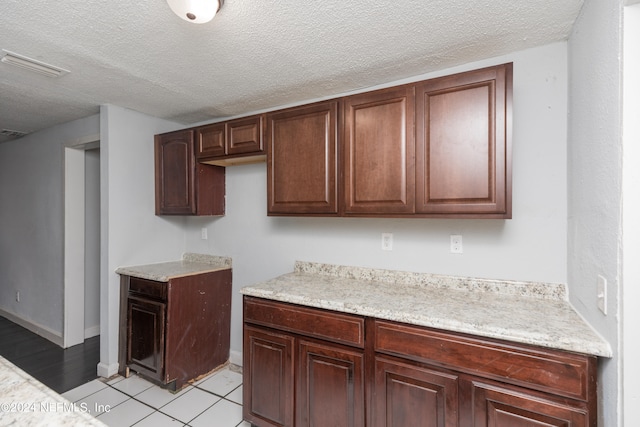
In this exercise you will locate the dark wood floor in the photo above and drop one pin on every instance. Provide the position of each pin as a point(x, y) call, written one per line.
point(60, 369)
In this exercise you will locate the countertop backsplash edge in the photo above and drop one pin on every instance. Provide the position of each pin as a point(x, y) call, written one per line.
point(555, 291)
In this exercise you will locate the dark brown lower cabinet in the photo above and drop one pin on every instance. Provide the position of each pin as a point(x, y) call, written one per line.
point(308, 367)
point(176, 331)
point(302, 366)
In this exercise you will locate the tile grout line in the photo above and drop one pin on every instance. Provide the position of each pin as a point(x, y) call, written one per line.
point(158, 409)
point(112, 385)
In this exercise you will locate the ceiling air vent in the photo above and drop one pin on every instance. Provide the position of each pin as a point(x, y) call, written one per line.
point(12, 133)
point(31, 64)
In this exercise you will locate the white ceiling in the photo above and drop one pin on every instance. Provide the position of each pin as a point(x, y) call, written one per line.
point(254, 55)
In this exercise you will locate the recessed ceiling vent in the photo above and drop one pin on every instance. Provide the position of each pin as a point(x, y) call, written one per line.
point(12, 133)
point(31, 64)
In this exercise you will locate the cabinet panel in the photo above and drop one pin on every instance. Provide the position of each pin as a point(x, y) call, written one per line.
point(463, 143)
point(379, 152)
point(503, 407)
point(210, 140)
point(302, 165)
point(175, 173)
point(408, 395)
point(245, 135)
point(210, 190)
point(145, 336)
point(198, 325)
point(330, 389)
point(326, 325)
point(268, 378)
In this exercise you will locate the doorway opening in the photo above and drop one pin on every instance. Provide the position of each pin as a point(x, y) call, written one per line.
point(81, 241)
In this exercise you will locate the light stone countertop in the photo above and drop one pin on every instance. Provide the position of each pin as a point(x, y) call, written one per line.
point(189, 265)
point(524, 312)
point(26, 402)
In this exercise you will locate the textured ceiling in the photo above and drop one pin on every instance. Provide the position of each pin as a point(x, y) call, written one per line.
point(254, 55)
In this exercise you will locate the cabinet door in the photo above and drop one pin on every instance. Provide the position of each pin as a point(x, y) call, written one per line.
point(145, 336)
point(330, 387)
point(379, 152)
point(410, 395)
point(245, 135)
point(267, 378)
point(505, 407)
point(463, 153)
point(301, 160)
point(210, 141)
point(175, 173)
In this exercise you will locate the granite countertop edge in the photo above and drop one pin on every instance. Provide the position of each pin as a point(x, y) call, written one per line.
point(488, 308)
point(190, 264)
point(27, 402)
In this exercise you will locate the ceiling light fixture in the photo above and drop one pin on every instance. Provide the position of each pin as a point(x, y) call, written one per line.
point(31, 64)
point(196, 11)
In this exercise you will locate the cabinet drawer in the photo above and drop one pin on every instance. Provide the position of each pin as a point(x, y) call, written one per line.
point(551, 371)
point(148, 288)
point(331, 326)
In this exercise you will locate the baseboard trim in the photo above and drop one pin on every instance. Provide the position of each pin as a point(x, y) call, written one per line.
point(43, 331)
point(106, 370)
point(235, 357)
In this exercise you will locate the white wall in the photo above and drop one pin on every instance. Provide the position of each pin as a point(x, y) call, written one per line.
point(595, 181)
point(531, 246)
point(131, 234)
point(630, 292)
point(32, 219)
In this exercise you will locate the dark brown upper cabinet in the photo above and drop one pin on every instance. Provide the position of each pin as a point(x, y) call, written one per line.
point(302, 166)
point(463, 144)
point(184, 186)
point(238, 141)
point(435, 148)
point(378, 149)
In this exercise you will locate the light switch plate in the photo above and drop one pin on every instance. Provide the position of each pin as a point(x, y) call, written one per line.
point(602, 294)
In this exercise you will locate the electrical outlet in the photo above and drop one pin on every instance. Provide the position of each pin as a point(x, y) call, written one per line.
point(387, 241)
point(602, 294)
point(456, 244)
point(203, 234)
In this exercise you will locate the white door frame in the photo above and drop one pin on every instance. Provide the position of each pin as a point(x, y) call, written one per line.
point(74, 237)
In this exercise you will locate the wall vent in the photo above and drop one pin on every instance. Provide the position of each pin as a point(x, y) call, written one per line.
point(12, 133)
point(31, 64)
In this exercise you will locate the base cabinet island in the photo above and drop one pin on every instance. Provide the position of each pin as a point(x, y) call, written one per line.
point(175, 319)
point(345, 346)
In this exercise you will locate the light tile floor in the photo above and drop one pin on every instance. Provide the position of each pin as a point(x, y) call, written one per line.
point(214, 401)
